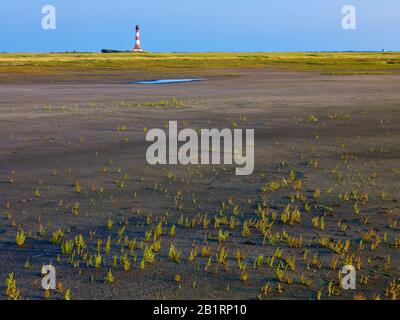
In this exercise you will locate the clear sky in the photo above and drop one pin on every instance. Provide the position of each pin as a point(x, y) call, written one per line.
point(201, 25)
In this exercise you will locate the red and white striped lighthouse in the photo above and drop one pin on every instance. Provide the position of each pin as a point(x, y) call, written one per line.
point(137, 40)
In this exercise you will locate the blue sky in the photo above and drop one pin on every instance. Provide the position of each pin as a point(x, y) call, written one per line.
point(201, 25)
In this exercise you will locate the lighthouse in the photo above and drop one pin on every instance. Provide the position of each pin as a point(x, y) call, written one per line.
point(137, 40)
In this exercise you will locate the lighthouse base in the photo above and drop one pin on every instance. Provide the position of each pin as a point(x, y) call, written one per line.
point(137, 50)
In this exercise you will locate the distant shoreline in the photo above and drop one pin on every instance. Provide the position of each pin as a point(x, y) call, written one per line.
point(193, 52)
point(131, 66)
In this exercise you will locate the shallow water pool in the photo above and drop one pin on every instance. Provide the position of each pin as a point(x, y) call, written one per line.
point(166, 81)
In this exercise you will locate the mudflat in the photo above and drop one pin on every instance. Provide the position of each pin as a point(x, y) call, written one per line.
point(76, 188)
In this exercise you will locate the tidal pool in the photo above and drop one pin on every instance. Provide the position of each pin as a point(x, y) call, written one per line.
point(166, 81)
